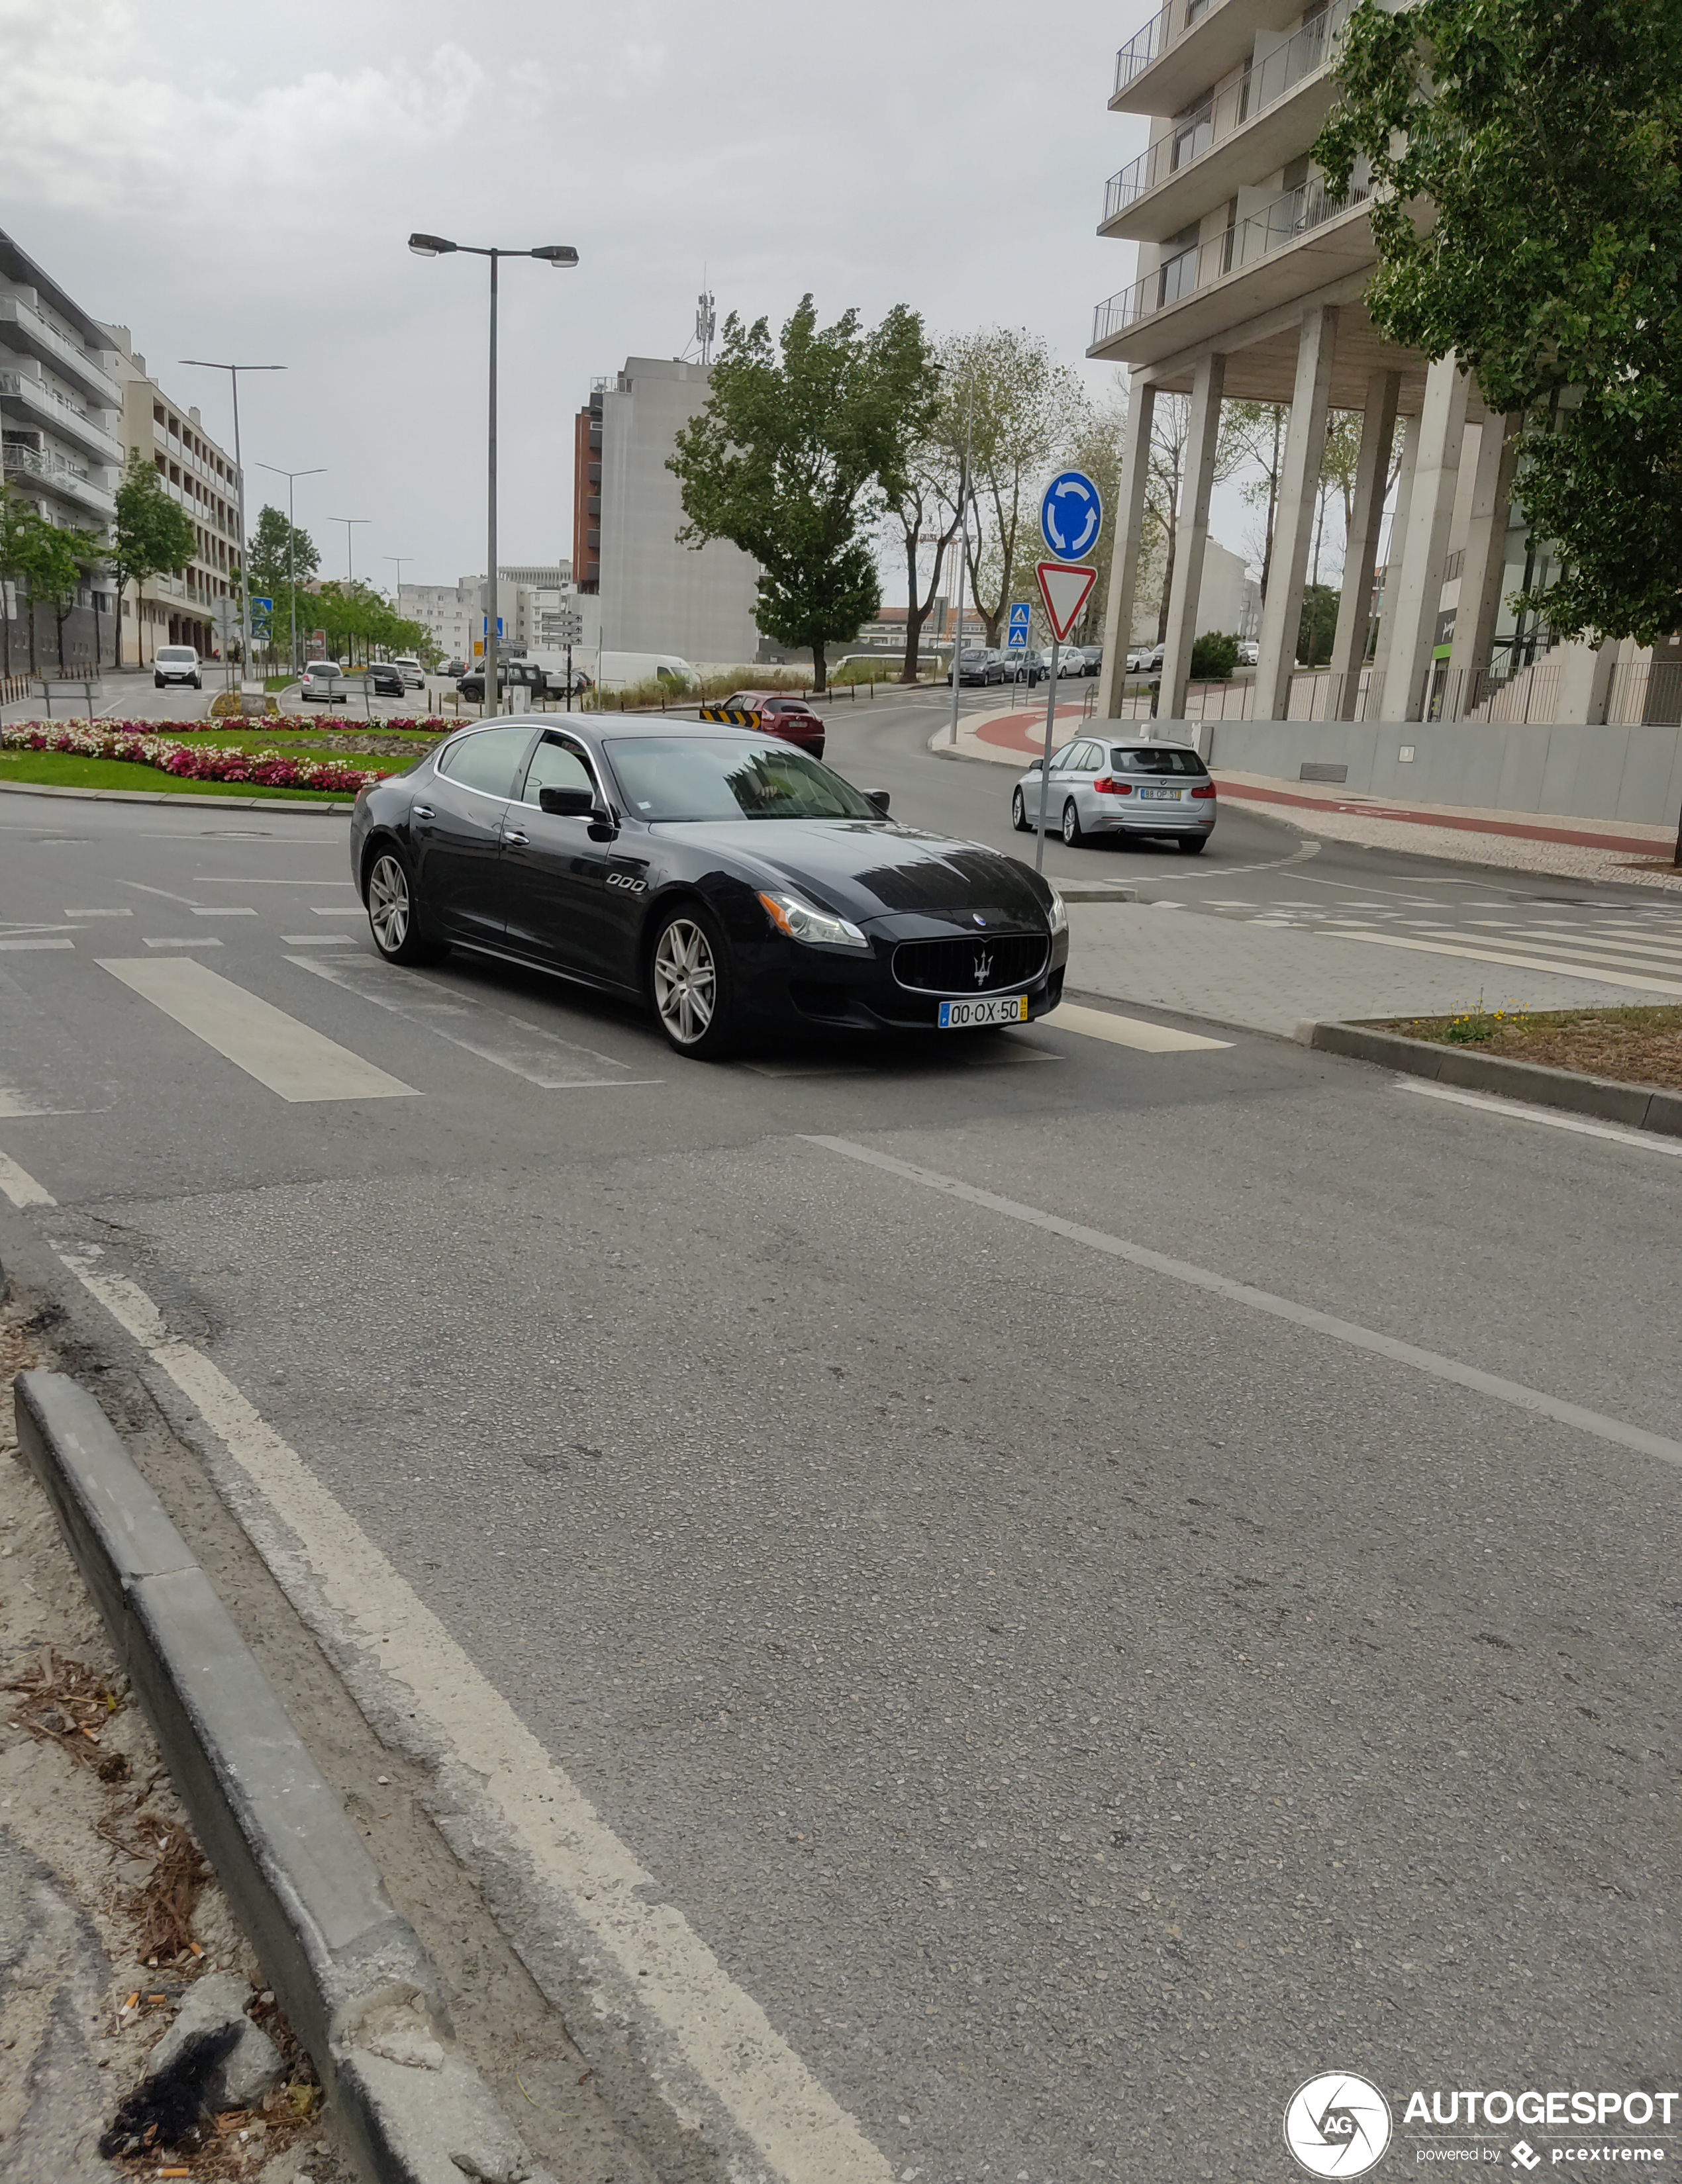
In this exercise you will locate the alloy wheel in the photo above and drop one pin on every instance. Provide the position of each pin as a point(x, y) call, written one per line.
point(685, 981)
point(389, 904)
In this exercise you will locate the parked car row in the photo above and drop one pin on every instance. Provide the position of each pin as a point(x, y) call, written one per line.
point(982, 664)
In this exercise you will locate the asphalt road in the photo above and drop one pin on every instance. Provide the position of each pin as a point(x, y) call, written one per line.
point(1075, 1696)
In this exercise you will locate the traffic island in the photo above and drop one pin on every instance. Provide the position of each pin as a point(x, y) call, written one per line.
point(1551, 1057)
point(351, 1977)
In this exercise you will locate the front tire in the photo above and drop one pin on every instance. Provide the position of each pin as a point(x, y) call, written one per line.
point(1072, 836)
point(157, 681)
point(392, 912)
point(692, 984)
point(1019, 813)
point(1193, 845)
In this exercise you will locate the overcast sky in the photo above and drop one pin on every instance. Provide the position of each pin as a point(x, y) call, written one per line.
point(240, 181)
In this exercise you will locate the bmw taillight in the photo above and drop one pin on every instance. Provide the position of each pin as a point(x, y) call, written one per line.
point(1204, 788)
point(1107, 787)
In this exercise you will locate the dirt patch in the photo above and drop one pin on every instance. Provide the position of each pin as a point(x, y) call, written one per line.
point(1639, 1045)
point(115, 1913)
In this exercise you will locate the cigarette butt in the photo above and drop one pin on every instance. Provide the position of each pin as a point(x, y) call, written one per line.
point(196, 1950)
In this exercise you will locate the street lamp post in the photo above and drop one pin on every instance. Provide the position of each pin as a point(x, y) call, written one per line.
point(320, 471)
point(350, 558)
point(555, 255)
point(233, 370)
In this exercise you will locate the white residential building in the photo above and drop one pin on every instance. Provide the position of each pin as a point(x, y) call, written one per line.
point(1249, 284)
point(530, 598)
point(60, 410)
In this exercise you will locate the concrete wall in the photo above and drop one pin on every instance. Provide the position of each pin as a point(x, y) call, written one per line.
point(1632, 773)
point(658, 596)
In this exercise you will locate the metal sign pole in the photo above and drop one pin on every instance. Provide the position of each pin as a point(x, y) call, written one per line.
point(1045, 762)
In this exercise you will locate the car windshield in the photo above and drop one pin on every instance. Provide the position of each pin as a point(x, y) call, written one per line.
point(1157, 758)
point(175, 654)
point(696, 777)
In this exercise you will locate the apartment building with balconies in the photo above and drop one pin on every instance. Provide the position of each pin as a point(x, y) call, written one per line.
point(1248, 285)
point(178, 607)
point(60, 407)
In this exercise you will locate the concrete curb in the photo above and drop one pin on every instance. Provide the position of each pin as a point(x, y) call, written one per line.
point(1608, 1099)
point(357, 1987)
point(165, 796)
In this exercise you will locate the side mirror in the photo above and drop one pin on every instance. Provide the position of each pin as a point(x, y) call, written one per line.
point(878, 797)
point(603, 826)
point(567, 803)
point(1035, 765)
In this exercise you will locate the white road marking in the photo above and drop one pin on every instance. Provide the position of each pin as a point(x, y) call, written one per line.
point(719, 2051)
point(1532, 962)
point(172, 943)
point(355, 911)
point(221, 879)
point(218, 911)
point(141, 888)
point(542, 1058)
point(20, 945)
point(1521, 1111)
point(99, 913)
point(1127, 1031)
point(22, 1188)
point(290, 1058)
point(1348, 1331)
point(318, 939)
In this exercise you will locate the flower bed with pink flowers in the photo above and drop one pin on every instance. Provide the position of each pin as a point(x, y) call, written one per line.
point(133, 742)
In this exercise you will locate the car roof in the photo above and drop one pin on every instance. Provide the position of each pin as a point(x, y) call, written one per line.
point(623, 725)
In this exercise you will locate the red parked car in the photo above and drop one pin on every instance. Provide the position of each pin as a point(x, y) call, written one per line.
point(791, 718)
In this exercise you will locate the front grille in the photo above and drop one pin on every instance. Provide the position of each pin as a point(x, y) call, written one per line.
point(987, 964)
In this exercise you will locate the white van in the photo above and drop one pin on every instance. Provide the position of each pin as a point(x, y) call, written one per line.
point(175, 663)
point(618, 670)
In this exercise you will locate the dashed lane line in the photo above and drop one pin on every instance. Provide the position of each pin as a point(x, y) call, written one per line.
point(1135, 1032)
point(1349, 1332)
point(21, 1188)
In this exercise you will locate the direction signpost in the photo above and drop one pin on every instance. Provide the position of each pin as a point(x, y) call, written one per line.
point(1071, 514)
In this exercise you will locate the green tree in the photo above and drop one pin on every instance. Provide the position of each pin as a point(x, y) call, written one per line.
point(150, 535)
point(1318, 624)
point(801, 447)
point(1214, 657)
point(19, 521)
point(54, 560)
point(280, 554)
point(1546, 142)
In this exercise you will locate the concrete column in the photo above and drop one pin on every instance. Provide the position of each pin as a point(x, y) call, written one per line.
point(1128, 516)
point(1418, 592)
point(1360, 548)
point(1293, 523)
point(1191, 537)
point(1480, 574)
point(1405, 470)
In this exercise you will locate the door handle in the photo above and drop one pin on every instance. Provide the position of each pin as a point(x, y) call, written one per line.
point(421, 811)
point(519, 840)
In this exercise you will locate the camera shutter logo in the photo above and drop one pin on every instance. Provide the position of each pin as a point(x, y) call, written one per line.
point(1337, 2124)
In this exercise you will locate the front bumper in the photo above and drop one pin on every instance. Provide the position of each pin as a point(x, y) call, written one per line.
point(780, 982)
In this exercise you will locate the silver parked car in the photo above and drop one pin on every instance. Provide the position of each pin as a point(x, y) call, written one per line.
point(1112, 788)
point(324, 682)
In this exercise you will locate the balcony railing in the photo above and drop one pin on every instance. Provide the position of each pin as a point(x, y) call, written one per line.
point(1236, 99)
point(60, 474)
point(59, 413)
point(83, 363)
point(1143, 48)
point(1275, 227)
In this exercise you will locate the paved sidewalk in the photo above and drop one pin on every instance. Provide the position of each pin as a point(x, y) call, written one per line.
point(1266, 980)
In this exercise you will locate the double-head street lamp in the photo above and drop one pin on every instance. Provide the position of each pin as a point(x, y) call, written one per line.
point(233, 370)
point(556, 254)
point(320, 471)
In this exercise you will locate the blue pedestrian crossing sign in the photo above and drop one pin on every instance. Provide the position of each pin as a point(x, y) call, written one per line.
point(1071, 515)
point(1018, 626)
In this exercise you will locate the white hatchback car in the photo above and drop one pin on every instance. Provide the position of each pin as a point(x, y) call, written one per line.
point(1111, 787)
point(176, 663)
point(414, 676)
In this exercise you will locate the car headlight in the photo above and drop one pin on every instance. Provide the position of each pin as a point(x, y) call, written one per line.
point(818, 928)
point(1058, 913)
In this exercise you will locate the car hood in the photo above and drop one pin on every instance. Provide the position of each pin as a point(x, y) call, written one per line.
point(864, 869)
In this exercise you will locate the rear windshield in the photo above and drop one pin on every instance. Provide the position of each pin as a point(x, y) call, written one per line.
point(1155, 758)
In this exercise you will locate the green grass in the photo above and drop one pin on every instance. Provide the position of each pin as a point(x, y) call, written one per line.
point(60, 770)
point(343, 745)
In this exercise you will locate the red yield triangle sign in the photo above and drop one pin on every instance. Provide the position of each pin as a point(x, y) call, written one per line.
point(1064, 587)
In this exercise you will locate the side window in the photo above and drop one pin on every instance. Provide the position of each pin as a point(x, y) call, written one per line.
point(555, 765)
point(487, 760)
point(1062, 760)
